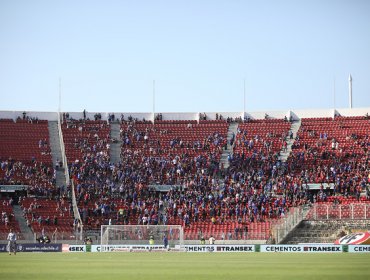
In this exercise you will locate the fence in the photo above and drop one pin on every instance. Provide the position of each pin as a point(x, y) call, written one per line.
point(53, 236)
point(282, 227)
point(66, 173)
point(339, 211)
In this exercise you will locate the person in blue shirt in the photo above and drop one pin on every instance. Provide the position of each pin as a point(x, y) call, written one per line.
point(165, 241)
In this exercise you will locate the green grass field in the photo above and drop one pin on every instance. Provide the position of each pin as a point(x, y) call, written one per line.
point(101, 266)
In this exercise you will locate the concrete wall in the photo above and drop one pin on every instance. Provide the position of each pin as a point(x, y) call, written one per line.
point(50, 116)
point(296, 114)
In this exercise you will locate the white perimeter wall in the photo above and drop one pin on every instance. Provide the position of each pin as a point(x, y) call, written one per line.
point(296, 114)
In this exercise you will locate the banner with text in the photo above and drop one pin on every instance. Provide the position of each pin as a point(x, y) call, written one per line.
point(220, 248)
point(358, 248)
point(311, 248)
point(73, 248)
point(34, 247)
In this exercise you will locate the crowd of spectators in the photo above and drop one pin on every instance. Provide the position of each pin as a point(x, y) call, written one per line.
point(30, 166)
point(333, 151)
point(38, 176)
point(144, 161)
point(45, 215)
point(256, 186)
point(244, 193)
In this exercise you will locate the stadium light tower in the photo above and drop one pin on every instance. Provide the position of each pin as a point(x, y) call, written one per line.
point(350, 90)
point(153, 101)
point(60, 98)
point(244, 102)
point(334, 92)
point(60, 94)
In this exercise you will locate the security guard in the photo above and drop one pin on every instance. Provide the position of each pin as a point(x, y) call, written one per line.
point(202, 241)
point(151, 239)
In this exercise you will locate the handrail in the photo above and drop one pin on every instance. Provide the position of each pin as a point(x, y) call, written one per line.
point(66, 173)
point(282, 228)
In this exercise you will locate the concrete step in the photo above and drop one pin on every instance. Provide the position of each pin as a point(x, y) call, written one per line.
point(25, 230)
point(115, 147)
point(294, 128)
point(233, 128)
point(56, 151)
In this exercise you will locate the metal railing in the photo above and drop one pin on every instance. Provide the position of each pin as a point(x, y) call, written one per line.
point(340, 211)
point(68, 180)
point(53, 236)
point(281, 228)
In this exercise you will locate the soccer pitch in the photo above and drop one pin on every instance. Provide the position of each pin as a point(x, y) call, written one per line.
point(213, 266)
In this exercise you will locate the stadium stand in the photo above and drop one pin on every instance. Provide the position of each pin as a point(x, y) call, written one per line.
point(85, 138)
point(26, 160)
point(325, 231)
point(48, 216)
point(25, 153)
point(8, 220)
point(332, 150)
point(170, 173)
point(25, 140)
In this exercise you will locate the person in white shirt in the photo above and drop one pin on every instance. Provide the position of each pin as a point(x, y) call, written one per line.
point(12, 242)
point(211, 240)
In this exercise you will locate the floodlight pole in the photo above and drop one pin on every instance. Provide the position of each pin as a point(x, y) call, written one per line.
point(350, 90)
point(60, 97)
point(60, 94)
point(153, 101)
point(334, 92)
point(244, 102)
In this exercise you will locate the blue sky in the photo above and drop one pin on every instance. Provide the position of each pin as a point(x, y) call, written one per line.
point(108, 53)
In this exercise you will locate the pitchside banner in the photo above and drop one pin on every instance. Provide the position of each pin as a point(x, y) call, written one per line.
point(188, 248)
point(113, 248)
point(34, 247)
point(315, 248)
point(357, 238)
point(358, 248)
point(220, 248)
point(73, 248)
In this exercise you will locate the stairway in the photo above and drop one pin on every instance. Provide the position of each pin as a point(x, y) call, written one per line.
point(56, 152)
point(294, 128)
point(115, 146)
point(233, 128)
point(323, 231)
point(25, 230)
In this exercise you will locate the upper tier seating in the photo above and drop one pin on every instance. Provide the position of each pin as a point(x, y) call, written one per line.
point(25, 153)
point(85, 138)
point(266, 136)
point(332, 150)
point(25, 141)
point(169, 151)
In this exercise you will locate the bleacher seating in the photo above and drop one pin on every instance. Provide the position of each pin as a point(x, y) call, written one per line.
point(240, 202)
point(48, 216)
point(168, 140)
point(266, 136)
point(25, 153)
point(330, 148)
point(167, 152)
point(8, 220)
point(20, 141)
point(84, 138)
point(25, 156)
